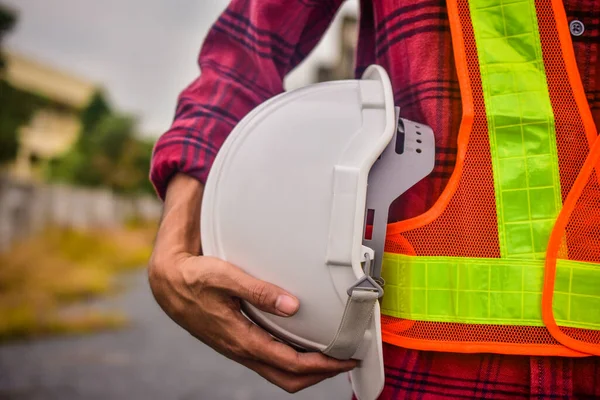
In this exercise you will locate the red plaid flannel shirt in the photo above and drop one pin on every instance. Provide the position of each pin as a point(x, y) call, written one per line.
point(244, 59)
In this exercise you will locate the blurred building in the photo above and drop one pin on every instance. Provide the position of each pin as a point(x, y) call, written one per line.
point(346, 48)
point(52, 130)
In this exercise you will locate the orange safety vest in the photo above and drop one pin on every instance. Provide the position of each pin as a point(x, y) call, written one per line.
point(508, 258)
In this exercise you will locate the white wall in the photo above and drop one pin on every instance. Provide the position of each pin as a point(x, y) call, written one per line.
point(27, 208)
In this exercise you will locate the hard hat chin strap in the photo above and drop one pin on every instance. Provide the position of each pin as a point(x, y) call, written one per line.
point(362, 297)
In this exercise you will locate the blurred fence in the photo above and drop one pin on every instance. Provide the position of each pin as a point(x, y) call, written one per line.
point(26, 208)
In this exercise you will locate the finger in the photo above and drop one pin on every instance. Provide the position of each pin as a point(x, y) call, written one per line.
point(263, 295)
point(289, 382)
point(261, 346)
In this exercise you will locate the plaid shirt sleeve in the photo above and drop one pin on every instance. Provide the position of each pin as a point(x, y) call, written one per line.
point(243, 61)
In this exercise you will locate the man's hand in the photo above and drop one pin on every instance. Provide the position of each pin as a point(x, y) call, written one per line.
point(202, 295)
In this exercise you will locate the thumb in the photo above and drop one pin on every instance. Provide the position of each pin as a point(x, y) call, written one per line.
point(263, 295)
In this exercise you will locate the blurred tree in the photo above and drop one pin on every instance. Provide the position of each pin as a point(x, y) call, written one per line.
point(91, 160)
point(14, 105)
point(107, 153)
point(16, 109)
point(8, 18)
point(143, 160)
point(97, 108)
point(111, 136)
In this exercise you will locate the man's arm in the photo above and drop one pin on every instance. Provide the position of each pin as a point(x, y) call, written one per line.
point(202, 295)
point(244, 60)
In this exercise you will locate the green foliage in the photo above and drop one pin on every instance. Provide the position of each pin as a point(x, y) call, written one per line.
point(108, 153)
point(141, 162)
point(8, 18)
point(16, 109)
point(97, 109)
point(15, 106)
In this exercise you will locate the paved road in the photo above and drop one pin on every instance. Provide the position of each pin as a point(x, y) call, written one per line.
point(154, 359)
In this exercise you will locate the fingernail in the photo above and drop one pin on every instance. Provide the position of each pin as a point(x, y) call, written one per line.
point(286, 305)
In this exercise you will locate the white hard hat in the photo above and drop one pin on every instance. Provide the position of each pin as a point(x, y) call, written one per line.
point(286, 200)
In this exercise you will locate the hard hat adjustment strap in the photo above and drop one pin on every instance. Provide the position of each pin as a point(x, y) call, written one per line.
point(362, 297)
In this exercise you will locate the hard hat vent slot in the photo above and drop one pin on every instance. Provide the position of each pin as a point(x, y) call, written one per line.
point(369, 224)
point(400, 138)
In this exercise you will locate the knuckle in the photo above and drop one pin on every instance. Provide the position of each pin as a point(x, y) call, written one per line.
point(259, 293)
point(244, 346)
point(295, 368)
point(202, 278)
point(237, 349)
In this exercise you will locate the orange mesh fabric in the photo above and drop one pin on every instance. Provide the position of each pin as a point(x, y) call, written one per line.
point(575, 133)
point(465, 225)
point(580, 222)
point(465, 338)
point(583, 335)
point(572, 141)
point(583, 229)
point(450, 331)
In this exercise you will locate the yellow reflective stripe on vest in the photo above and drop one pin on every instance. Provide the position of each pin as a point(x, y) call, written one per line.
point(520, 124)
point(488, 291)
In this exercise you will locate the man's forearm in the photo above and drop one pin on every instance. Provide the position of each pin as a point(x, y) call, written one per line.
point(179, 230)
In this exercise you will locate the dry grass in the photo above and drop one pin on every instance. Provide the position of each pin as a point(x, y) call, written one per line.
point(40, 276)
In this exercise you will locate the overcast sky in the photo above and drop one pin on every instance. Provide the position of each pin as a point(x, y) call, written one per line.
point(142, 51)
